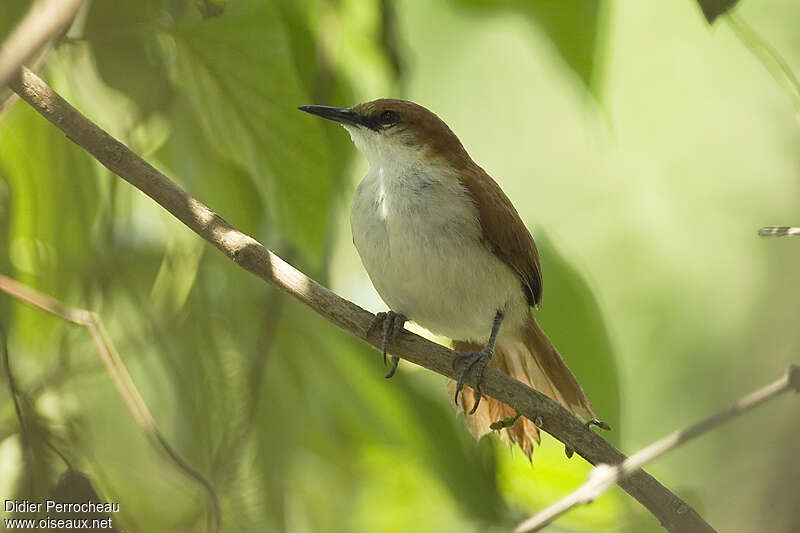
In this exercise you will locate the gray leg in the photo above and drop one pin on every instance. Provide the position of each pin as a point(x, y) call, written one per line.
point(391, 324)
point(479, 360)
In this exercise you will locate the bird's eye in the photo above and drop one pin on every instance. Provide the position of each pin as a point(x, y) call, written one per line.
point(389, 117)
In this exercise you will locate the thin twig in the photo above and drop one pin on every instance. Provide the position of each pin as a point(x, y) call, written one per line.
point(602, 477)
point(778, 231)
point(43, 20)
point(673, 513)
point(12, 383)
point(15, 398)
point(118, 372)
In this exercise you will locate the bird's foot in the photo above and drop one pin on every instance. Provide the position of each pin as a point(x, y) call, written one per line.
point(391, 323)
point(468, 360)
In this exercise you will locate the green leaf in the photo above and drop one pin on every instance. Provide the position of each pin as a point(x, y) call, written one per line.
point(235, 71)
point(129, 56)
point(573, 26)
point(714, 8)
point(238, 77)
point(53, 203)
point(574, 322)
point(223, 185)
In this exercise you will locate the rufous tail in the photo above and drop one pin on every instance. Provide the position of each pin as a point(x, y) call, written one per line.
point(530, 357)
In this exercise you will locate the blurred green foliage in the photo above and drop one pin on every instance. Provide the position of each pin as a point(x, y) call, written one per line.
point(657, 291)
point(573, 26)
point(240, 88)
point(572, 318)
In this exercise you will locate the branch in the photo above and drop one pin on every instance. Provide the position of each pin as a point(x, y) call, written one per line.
point(778, 231)
point(674, 514)
point(119, 375)
point(35, 67)
point(603, 476)
point(40, 23)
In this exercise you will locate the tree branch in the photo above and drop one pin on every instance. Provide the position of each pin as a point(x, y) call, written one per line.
point(673, 513)
point(35, 67)
point(40, 23)
point(603, 476)
point(778, 231)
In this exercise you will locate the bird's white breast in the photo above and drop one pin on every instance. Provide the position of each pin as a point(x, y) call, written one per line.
point(418, 234)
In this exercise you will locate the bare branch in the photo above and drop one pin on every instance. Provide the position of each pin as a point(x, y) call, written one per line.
point(603, 476)
point(673, 513)
point(40, 23)
point(778, 231)
point(118, 372)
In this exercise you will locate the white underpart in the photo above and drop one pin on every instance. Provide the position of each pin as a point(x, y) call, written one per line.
point(417, 231)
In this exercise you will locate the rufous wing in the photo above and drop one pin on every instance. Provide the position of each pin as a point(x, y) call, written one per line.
point(504, 233)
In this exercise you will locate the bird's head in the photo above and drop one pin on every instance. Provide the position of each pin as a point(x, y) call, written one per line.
point(395, 131)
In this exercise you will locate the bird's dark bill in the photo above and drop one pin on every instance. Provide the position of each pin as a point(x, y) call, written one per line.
point(337, 114)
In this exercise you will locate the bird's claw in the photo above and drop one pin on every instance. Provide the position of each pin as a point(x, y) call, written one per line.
point(506, 422)
point(602, 424)
point(467, 360)
point(569, 451)
point(391, 324)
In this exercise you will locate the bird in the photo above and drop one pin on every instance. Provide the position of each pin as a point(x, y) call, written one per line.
point(445, 248)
